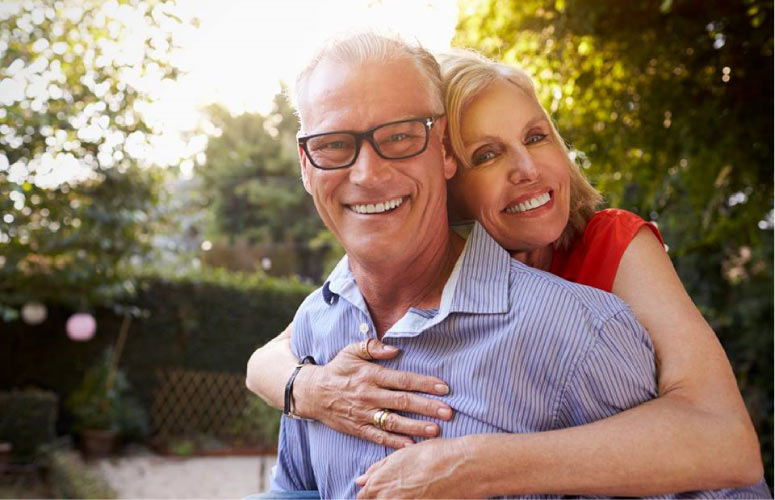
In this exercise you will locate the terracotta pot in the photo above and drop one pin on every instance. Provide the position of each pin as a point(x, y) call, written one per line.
point(97, 443)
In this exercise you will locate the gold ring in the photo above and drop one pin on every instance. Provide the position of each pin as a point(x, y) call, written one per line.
point(365, 349)
point(380, 418)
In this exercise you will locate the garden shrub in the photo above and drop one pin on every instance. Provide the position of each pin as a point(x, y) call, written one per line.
point(27, 421)
point(71, 478)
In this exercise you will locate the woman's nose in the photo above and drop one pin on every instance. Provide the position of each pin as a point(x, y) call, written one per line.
point(523, 167)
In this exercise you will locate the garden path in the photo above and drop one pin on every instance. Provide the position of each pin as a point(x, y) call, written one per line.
point(153, 476)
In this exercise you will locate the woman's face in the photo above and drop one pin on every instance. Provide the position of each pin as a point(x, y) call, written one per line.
point(518, 186)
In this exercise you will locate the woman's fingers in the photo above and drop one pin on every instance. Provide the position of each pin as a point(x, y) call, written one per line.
point(374, 349)
point(408, 381)
point(403, 425)
point(409, 402)
point(385, 438)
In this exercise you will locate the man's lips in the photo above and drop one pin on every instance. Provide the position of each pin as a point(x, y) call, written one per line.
point(376, 208)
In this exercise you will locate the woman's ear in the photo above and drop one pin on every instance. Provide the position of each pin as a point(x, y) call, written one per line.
point(450, 162)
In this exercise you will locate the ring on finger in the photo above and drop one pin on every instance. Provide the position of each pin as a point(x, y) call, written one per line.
point(380, 418)
point(365, 349)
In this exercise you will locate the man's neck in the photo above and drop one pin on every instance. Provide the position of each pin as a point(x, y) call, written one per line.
point(391, 288)
point(539, 258)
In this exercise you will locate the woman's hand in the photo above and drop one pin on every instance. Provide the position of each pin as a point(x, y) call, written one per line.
point(346, 393)
point(435, 468)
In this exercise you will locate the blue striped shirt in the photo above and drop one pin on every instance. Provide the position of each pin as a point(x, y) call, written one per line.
point(522, 351)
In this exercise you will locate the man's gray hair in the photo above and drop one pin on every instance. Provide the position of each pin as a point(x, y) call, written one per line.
point(371, 46)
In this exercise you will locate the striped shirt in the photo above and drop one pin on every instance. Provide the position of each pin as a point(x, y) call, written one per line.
point(522, 351)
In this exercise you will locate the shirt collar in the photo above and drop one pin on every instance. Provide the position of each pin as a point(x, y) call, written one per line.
point(478, 284)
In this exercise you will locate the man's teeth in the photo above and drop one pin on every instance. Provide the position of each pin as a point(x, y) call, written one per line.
point(529, 204)
point(376, 208)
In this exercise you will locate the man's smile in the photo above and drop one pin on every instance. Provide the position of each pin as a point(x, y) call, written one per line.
point(376, 208)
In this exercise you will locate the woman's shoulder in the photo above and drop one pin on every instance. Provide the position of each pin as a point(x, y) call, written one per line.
point(593, 259)
point(614, 228)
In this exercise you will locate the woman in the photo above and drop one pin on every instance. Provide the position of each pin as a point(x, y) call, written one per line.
point(518, 181)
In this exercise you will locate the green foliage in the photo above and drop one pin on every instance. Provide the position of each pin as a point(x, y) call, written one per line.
point(669, 108)
point(77, 196)
point(251, 183)
point(259, 423)
point(27, 421)
point(71, 478)
point(96, 405)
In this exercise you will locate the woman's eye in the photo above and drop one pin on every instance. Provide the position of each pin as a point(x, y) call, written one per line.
point(535, 138)
point(482, 157)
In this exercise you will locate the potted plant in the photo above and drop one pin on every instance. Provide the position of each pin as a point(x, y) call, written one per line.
point(102, 409)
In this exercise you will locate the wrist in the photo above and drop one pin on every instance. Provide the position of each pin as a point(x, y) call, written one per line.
point(302, 392)
point(485, 467)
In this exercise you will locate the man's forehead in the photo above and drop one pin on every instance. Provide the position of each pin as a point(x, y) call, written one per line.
point(346, 95)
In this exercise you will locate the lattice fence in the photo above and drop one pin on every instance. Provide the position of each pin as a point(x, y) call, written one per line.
point(188, 403)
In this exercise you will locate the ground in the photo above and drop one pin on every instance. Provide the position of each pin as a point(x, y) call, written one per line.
point(153, 476)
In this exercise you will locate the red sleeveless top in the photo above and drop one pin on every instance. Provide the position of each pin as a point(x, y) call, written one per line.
point(593, 259)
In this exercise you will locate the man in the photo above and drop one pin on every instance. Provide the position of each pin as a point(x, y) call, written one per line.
point(524, 351)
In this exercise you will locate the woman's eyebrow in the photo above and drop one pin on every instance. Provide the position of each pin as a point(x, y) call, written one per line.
point(535, 121)
point(490, 138)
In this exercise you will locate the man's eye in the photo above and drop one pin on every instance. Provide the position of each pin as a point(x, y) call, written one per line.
point(535, 138)
point(329, 146)
point(398, 137)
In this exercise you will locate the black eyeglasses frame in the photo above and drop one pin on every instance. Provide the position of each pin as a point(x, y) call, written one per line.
point(368, 135)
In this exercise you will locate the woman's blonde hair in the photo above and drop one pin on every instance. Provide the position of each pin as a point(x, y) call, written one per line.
point(465, 75)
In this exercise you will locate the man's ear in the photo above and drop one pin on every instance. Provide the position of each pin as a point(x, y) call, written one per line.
point(450, 162)
point(304, 169)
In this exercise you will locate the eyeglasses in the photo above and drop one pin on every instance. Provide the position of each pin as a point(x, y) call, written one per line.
point(392, 141)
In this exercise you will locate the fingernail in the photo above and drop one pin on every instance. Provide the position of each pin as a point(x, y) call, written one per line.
point(360, 480)
point(442, 389)
point(444, 412)
point(389, 348)
point(430, 430)
point(408, 443)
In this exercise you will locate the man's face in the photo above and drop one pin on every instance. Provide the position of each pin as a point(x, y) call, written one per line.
point(380, 210)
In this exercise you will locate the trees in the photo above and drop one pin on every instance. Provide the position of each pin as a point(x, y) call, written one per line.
point(78, 194)
point(669, 107)
point(251, 182)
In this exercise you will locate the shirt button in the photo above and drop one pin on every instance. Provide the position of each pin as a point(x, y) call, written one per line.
point(364, 328)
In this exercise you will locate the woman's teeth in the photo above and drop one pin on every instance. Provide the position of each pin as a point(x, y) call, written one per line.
point(529, 204)
point(376, 208)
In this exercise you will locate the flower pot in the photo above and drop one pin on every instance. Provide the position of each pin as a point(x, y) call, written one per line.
point(97, 443)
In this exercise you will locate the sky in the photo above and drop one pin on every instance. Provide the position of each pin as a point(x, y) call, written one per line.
point(244, 49)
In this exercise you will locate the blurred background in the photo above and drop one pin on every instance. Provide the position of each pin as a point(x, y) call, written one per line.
point(154, 230)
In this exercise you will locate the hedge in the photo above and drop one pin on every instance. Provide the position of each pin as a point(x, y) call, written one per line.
point(209, 321)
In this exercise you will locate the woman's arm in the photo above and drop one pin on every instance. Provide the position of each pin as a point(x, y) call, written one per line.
point(345, 393)
point(695, 435)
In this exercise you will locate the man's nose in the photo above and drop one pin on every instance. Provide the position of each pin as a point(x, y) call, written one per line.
point(369, 168)
point(522, 167)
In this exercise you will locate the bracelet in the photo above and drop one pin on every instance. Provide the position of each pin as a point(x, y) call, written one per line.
point(288, 411)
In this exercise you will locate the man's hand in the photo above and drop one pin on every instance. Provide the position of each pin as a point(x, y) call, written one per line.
point(346, 393)
point(436, 468)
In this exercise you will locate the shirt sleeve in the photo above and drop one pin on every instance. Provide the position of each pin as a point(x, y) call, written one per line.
point(293, 471)
point(618, 372)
